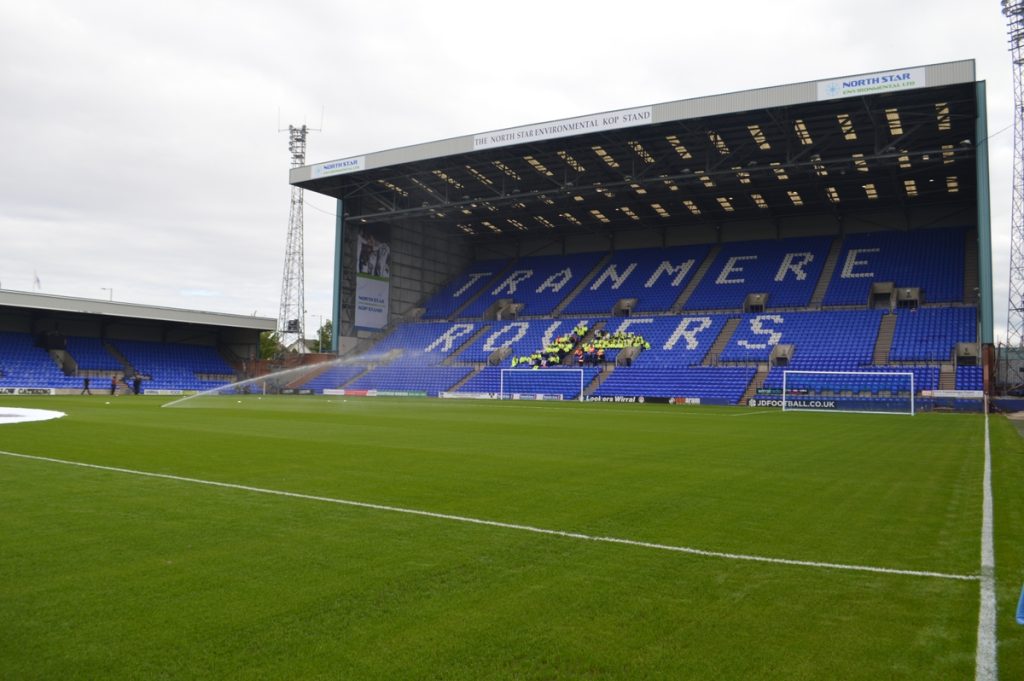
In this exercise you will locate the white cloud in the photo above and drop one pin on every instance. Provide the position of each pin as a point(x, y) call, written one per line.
point(141, 149)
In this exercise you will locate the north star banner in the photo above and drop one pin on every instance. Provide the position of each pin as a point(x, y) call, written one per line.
point(373, 275)
point(339, 167)
point(871, 84)
point(571, 126)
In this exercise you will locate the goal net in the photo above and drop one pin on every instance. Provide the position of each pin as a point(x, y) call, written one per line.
point(868, 392)
point(541, 384)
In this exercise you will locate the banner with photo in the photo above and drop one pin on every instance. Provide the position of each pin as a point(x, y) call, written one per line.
point(373, 275)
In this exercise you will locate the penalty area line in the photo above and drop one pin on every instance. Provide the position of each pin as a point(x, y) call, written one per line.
point(509, 526)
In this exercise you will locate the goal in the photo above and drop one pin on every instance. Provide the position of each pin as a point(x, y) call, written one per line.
point(865, 392)
point(541, 384)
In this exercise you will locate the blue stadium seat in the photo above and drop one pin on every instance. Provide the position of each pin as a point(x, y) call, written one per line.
point(842, 338)
point(444, 303)
point(787, 270)
point(90, 354)
point(332, 378)
point(23, 365)
point(428, 379)
point(540, 283)
point(932, 259)
point(931, 333)
point(654, 276)
point(175, 366)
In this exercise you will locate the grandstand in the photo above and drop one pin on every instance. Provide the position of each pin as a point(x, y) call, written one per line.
point(51, 344)
point(838, 225)
point(701, 353)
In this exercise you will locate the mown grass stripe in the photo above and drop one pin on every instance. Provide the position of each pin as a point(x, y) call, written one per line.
point(513, 526)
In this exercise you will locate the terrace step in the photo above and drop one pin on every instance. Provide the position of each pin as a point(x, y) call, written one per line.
point(579, 287)
point(458, 311)
point(692, 286)
point(465, 379)
point(606, 371)
point(570, 358)
point(826, 273)
point(947, 377)
point(116, 354)
point(711, 359)
point(451, 359)
point(883, 343)
point(356, 377)
point(755, 383)
point(302, 379)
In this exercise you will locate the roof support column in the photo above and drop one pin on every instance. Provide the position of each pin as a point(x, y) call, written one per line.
point(984, 220)
point(339, 251)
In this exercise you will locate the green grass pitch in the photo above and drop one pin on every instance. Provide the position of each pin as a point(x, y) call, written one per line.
point(108, 575)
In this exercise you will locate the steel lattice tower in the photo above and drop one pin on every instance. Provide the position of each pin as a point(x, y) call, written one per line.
point(1014, 12)
point(291, 318)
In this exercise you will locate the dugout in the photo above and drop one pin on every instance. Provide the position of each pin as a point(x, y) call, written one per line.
point(902, 149)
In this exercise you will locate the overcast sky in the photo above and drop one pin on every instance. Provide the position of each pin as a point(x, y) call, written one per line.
point(141, 147)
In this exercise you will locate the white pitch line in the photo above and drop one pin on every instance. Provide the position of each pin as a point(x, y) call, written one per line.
point(986, 667)
point(511, 526)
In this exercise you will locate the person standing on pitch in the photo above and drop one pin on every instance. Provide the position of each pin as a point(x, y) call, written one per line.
point(85, 386)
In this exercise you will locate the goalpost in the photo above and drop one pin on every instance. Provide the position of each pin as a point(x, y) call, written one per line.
point(541, 384)
point(863, 392)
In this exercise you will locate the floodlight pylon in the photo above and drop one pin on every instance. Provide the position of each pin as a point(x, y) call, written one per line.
point(1014, 12)
point(291, 318)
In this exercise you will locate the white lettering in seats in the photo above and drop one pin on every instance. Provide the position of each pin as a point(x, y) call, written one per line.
point(613, 273)
point(757, 328)
point(512, 282)
point(794, 262)
point(666, 267)
point(519, 330)
point(731, 268)
point(446, 341)
point(851, 262)
point(473, 278)
point(556, 281)
point(688, 329)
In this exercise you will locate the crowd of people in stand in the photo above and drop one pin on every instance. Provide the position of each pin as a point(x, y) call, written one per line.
point(589, 353)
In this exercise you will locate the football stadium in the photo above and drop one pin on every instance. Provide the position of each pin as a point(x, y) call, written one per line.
point(704, 389)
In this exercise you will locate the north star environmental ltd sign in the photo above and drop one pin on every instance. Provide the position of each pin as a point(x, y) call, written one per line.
point(871, 83)
point(612, 120)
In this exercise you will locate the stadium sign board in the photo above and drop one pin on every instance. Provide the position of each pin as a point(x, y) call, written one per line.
point(871, 83)
point(792, 403)
point(957, 394)
point(643, 399)
point(582, 125)
point(373, 393)
point(468, 396)
point(27, 391)
point(339, 167)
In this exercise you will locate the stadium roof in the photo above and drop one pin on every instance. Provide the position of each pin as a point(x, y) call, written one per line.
point(899, 139)
point(34, 302)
